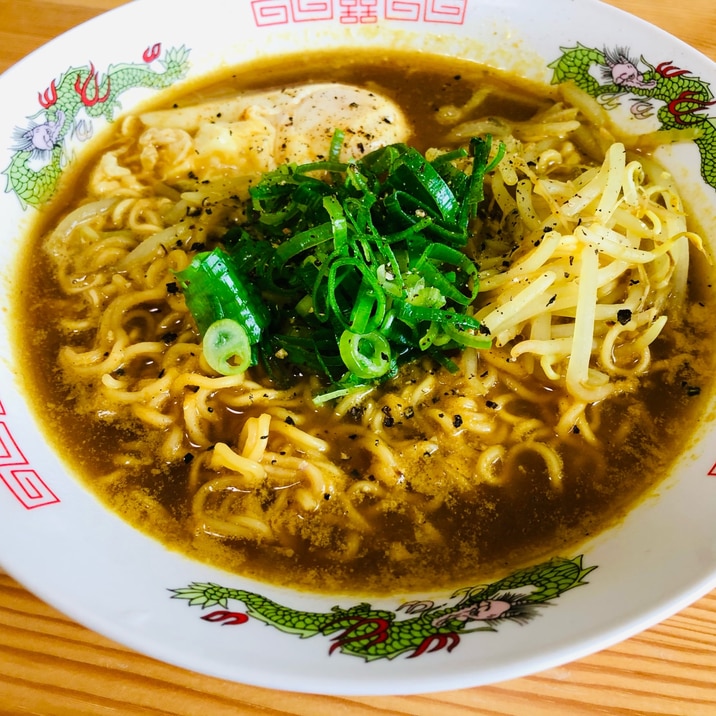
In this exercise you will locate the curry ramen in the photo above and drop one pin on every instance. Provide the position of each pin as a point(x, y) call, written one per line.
point(583, 386)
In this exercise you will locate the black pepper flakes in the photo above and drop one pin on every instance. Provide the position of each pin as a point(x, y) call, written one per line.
point(624, 316)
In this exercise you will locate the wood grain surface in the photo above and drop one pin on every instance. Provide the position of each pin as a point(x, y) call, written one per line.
point(51, 665)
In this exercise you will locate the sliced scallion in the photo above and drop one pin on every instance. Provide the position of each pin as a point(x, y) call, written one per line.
point(226, 347)
point(346, 269)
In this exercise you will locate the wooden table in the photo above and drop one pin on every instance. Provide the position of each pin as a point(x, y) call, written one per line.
point(51, 665)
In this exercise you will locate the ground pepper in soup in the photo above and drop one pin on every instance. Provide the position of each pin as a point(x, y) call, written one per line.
point(402, 406)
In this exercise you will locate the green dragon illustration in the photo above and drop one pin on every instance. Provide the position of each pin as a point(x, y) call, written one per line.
point(678, 98)
point(371, 633)
point(68, 106)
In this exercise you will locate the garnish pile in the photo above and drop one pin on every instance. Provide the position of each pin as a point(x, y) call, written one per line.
point(345, 270)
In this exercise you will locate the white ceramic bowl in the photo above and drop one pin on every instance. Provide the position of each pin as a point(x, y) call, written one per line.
point(62, 544)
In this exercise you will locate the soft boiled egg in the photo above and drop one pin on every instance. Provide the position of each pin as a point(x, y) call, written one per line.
point(288, 125)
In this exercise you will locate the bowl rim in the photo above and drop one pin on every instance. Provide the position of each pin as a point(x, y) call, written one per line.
point(348, 680)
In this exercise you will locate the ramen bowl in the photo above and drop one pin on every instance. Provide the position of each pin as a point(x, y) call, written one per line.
point(63, 544)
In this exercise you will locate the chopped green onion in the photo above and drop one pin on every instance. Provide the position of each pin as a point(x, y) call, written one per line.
point(347, 275)
point(415, 178)
point(304, 241)
point(226, 347)
point(366, 355)
point(214, 288)
point(334, 153)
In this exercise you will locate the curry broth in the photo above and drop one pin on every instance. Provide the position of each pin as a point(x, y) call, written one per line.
point(486, 531)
